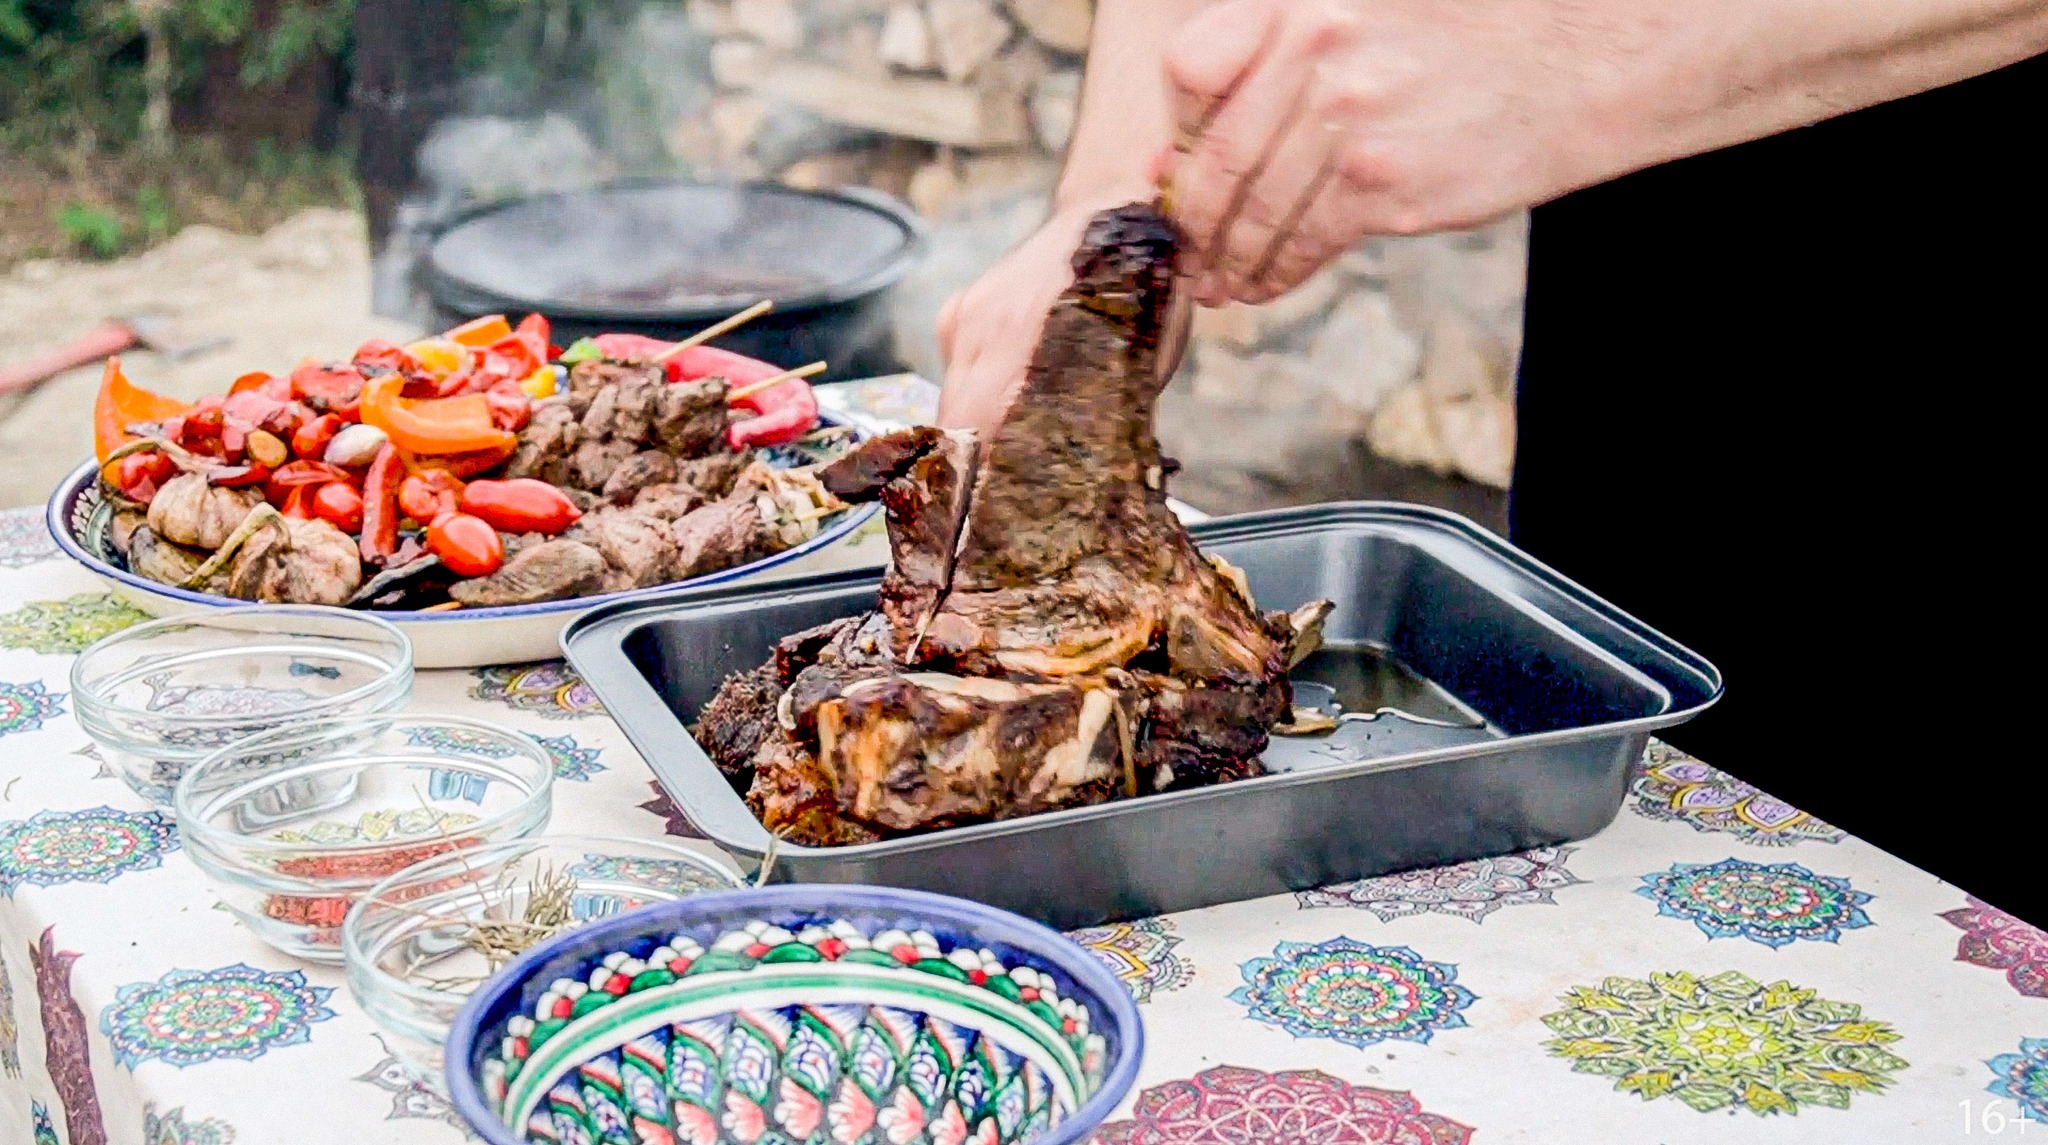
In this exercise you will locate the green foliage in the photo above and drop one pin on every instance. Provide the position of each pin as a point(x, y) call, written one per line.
point(153, 209)
point(88, 228)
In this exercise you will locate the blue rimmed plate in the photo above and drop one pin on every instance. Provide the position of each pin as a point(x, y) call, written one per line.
point(469, 637)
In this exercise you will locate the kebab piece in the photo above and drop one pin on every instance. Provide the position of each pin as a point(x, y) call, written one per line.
point(1048, 635)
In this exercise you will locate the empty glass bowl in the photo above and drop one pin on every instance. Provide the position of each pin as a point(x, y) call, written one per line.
point(161, 696)
point(295, 824)
point(417, 943)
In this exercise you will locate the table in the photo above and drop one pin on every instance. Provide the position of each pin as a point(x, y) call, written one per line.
point(1715, 966)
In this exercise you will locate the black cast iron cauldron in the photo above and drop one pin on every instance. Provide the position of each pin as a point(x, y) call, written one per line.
point(666, 259)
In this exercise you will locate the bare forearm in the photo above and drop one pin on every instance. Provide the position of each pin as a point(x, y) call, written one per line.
point(1125, 118)
point(1718, 74)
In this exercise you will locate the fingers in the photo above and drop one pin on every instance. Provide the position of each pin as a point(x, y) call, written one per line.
point(1263, 150)
point(1208, 58)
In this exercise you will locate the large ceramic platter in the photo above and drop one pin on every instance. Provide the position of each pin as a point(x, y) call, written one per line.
point(465, 638)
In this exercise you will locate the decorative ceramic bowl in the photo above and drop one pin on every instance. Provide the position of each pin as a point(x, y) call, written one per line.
point(804, 1013)
point(160, 696)
point(412, 942)
point(466, 637)
point(296, 824)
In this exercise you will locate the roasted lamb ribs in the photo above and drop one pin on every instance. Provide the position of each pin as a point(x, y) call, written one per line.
point(1048, 635)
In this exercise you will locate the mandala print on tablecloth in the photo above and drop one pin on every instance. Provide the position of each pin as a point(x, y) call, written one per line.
point(192, 1016)
point(1233, 1104)
point(90, 846)
point(411, 1098)
point(1723, 1042)
point(551, 690)
point(1471, 889)
point(1141, 953)
point(1998, 941)
point(66, 627)
point(24, 707)
point(24, 538)
point(1772, 903)
point(1673, 787)
point(44, 1132)
point(2023, 1078)
point(1354, 992)
point(172, 1127)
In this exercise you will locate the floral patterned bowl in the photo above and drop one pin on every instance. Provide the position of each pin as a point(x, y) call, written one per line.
point(294, 825)
point(803, 1013)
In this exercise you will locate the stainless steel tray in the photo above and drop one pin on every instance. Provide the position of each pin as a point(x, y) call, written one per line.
point(1570, 689)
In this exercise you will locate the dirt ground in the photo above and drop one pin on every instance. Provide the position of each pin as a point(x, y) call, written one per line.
point(300, 290)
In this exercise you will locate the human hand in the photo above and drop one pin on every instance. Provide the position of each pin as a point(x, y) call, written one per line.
point(1309, 124)
point(988, 332)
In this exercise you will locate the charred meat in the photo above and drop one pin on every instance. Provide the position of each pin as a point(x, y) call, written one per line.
point(1048, 634)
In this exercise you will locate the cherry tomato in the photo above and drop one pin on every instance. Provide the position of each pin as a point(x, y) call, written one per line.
point(521, 505)
point(466, 544)
point(339, 505)
point(429, 493)
point(311, 439)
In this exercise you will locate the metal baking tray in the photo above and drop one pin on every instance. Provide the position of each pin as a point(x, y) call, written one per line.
point(1538, 697)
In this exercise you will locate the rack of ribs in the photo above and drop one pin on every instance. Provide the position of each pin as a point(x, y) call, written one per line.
point(1048, 634)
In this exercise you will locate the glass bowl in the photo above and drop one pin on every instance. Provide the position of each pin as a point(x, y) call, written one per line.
point(798, 1013)
point(295, 824)
point(160, 696)
point(418, 943)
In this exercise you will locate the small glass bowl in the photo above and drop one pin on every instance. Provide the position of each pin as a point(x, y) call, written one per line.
point(295, 824)
point(410, 941)
point(162, 695)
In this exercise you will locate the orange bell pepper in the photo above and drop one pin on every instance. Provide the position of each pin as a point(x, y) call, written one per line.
point(482, 332)
point(432, 426)
point(121, 404)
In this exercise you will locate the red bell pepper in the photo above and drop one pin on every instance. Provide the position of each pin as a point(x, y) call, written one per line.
point(467, 465)
point(380, 506)
point(238, 476)
point(785, 411)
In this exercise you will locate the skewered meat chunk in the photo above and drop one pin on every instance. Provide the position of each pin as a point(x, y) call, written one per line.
point(1048, 634)
point(690, 417)
point(645, 468)
point(737, 721)
point(549, 570)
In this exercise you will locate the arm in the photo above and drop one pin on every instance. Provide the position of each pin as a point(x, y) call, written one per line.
point(1334, 119)
point(988, 331)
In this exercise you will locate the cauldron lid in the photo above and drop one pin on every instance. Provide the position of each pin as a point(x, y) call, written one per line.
point(673, 251)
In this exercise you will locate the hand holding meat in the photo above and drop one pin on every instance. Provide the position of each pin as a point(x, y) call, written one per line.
point(1048, 635)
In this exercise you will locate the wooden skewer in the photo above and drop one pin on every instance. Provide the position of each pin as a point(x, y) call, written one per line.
point(444, 606)
point(717, 328)
point(769, 383)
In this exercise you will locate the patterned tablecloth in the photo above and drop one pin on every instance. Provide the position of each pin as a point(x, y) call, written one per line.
point(1716, 966)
